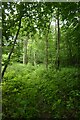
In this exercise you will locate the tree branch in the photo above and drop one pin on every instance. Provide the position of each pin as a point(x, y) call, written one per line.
point(11, 51)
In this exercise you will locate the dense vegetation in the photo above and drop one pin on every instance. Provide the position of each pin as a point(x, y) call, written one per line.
point(41, 60)
point(32, 92)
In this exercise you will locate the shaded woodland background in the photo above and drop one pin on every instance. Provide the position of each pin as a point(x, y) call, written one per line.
point(41, 60)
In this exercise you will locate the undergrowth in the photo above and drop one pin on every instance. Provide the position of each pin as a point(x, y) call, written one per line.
point(34, 93)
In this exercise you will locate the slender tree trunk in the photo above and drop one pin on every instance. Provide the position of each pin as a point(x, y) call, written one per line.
point(46, 51)
point(58, 42)
point(47, 47)
point(0, 41)
point(0, 59)
point(11, 51)
point(25, 55)
point(34, 52)
point(34, 58)
point(55, 40)
point(55, 34)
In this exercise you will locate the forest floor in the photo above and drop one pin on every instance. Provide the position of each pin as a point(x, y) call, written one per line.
point(33, 92)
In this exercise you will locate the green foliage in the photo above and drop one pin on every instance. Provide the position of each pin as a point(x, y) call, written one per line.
point(36, 18)
point(33, 92)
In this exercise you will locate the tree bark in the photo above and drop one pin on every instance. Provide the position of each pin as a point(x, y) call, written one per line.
point(25, 56)
point(47, 47)
point(58, 42)
point(11, 51)
point(0, 41)
point(34, 58)
point(0, 58)
point(47, 51)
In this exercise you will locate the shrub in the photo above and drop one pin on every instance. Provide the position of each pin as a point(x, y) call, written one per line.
point(33, 92)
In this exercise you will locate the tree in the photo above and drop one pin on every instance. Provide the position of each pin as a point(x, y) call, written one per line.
point(35, 19)
point(11, 51)
point(16, 36)
point(58, 41)
point(25, 49)
point(47, 44)
point(0, 42)
point(0, 59)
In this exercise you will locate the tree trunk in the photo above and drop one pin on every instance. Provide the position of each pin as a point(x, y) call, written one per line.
point(34, 58)
point(11, 51)
point(55, 42)
point(46, 51)
point(0, 41)
point(0, 59)
point(58, 42)
point(25, 56)
point(47, 47)
point(55, 34)
point(34, 52)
